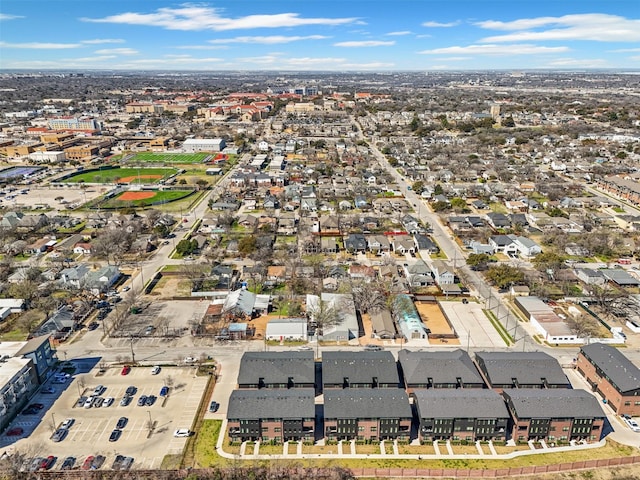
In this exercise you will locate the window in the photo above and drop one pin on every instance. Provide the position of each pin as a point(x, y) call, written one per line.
point(360, 428)
point(374, 429)
point(277, 429)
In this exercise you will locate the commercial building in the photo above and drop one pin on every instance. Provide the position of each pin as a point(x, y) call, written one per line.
point(276, 370)
point(367, 414)
point(612, 375)
point(462, 414)
point(521, 370)
point(554, 415)
point(271, 415)
point(439, 369)
point(344, 370)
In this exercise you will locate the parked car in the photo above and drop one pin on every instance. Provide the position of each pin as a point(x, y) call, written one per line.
point(142, 400)
point(126, 400)
point(99, 390)
point(632, 424)
point(59, 435)
point(125, 370)
point(14, 432)
point(108, 401)
point(213, 406)
point(155, 370)
point(149, 330)
point(48, 462)
point(190, 360)
point(86, 465)
point(48, 390)
point(126, 463)
point(131, 390)
point(151, 399)
point(117, 462)
point(37, 406)
point(67, 422)
point(88, 402)
point(98, 401)
point(97, 462)
point(35, 464)
point(182, 432)
point(93, 325)
point(164, 391)
point(30, 411)
point(372, 348)
point(80, 402)
point(115, 435)
point(68, 463)
point(122, 422)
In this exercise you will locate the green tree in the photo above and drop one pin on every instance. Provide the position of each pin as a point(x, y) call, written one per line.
point(418, 187)
point(458, 204)
point(548, 261)
point(440, 206)
point(247, 245)
point(478, 261)
point(186, 247)
point(504, 275)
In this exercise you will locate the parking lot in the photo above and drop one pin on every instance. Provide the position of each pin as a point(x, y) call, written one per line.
point(472, 325)
point(89, 434)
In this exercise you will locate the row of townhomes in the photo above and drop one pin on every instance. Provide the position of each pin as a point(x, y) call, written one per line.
point(446, 395)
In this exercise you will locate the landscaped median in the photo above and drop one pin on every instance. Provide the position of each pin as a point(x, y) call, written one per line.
point(211, 452)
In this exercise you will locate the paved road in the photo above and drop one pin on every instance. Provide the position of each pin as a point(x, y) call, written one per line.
point(445, 240)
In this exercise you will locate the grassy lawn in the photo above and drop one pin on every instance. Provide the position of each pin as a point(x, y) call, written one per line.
point(205, 447)
point(171, 462)
point(184, 288)
point(503, 449)
point(426, 449)
point(271, 449)
point(320, 448)
point(371, 448)
point(465, 449)
point(179, 158)
point(116, 174)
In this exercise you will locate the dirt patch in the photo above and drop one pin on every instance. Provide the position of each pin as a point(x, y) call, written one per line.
point(133, 178)
point(433, 318)
point(129, 196)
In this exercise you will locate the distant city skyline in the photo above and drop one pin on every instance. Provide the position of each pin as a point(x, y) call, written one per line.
point(309, 35)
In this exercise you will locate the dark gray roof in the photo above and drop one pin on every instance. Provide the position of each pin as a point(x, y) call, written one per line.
point(366, 403)
point(359, 367)
point(618, 368)
point(259, 404)
point(526, 367)
point(460, 403)
point(440, 366)
point(553, 403)
point(277, 367)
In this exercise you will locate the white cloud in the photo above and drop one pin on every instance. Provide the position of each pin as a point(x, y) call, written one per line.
point(100, 58)
point(626, 50)
point(455, 59)
point(313, 61)
point(202, 47)
point(367, 66)
point(117, 51)
point(39, 45)
point(267, 40)
point(99, 41)
point(579, 63)
point(440, 25)
point(488, 49)
point(591, 26)
point(6, 16)
point(398, 34)
point(196, 17)
point(365, 43)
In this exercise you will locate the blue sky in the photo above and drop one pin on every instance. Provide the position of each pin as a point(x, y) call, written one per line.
point(345, 35)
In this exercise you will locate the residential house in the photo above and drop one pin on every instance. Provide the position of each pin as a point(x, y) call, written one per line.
point(271, 415)
point(403, 244)
point(419, 274)
point(554, 415)
point(481, 248)
point(408, 319)
point(521, 370)
point(438, 369)
point(442, 273)
point(425, 244)
point(504, 244)
point(277, 370)
point(461, 414)
point(382, 324)
point(591, 276)
point(82, 248)
point(527, 247)
point(362, 272)
point(355, 242)
point(611, 374)
point(378, 244)
point(498, 220)
point(101, 280)
point(345, 369)
point(11, 219)
point(329, 245)
point(74, 276)
point(347, 327)
point(366, 414)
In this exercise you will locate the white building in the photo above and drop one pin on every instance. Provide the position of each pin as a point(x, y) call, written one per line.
point(192, 145)
point(287, 329)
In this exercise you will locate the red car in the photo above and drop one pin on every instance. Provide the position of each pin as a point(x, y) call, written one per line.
point(15, 431)
point(87, 463)
point(47, 463)
point(125, 370)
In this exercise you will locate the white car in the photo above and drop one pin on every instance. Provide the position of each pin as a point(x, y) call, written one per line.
point(190, 360)
point(633, 425)
point(155, 370)
point(182, 432)
point(108, 402)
